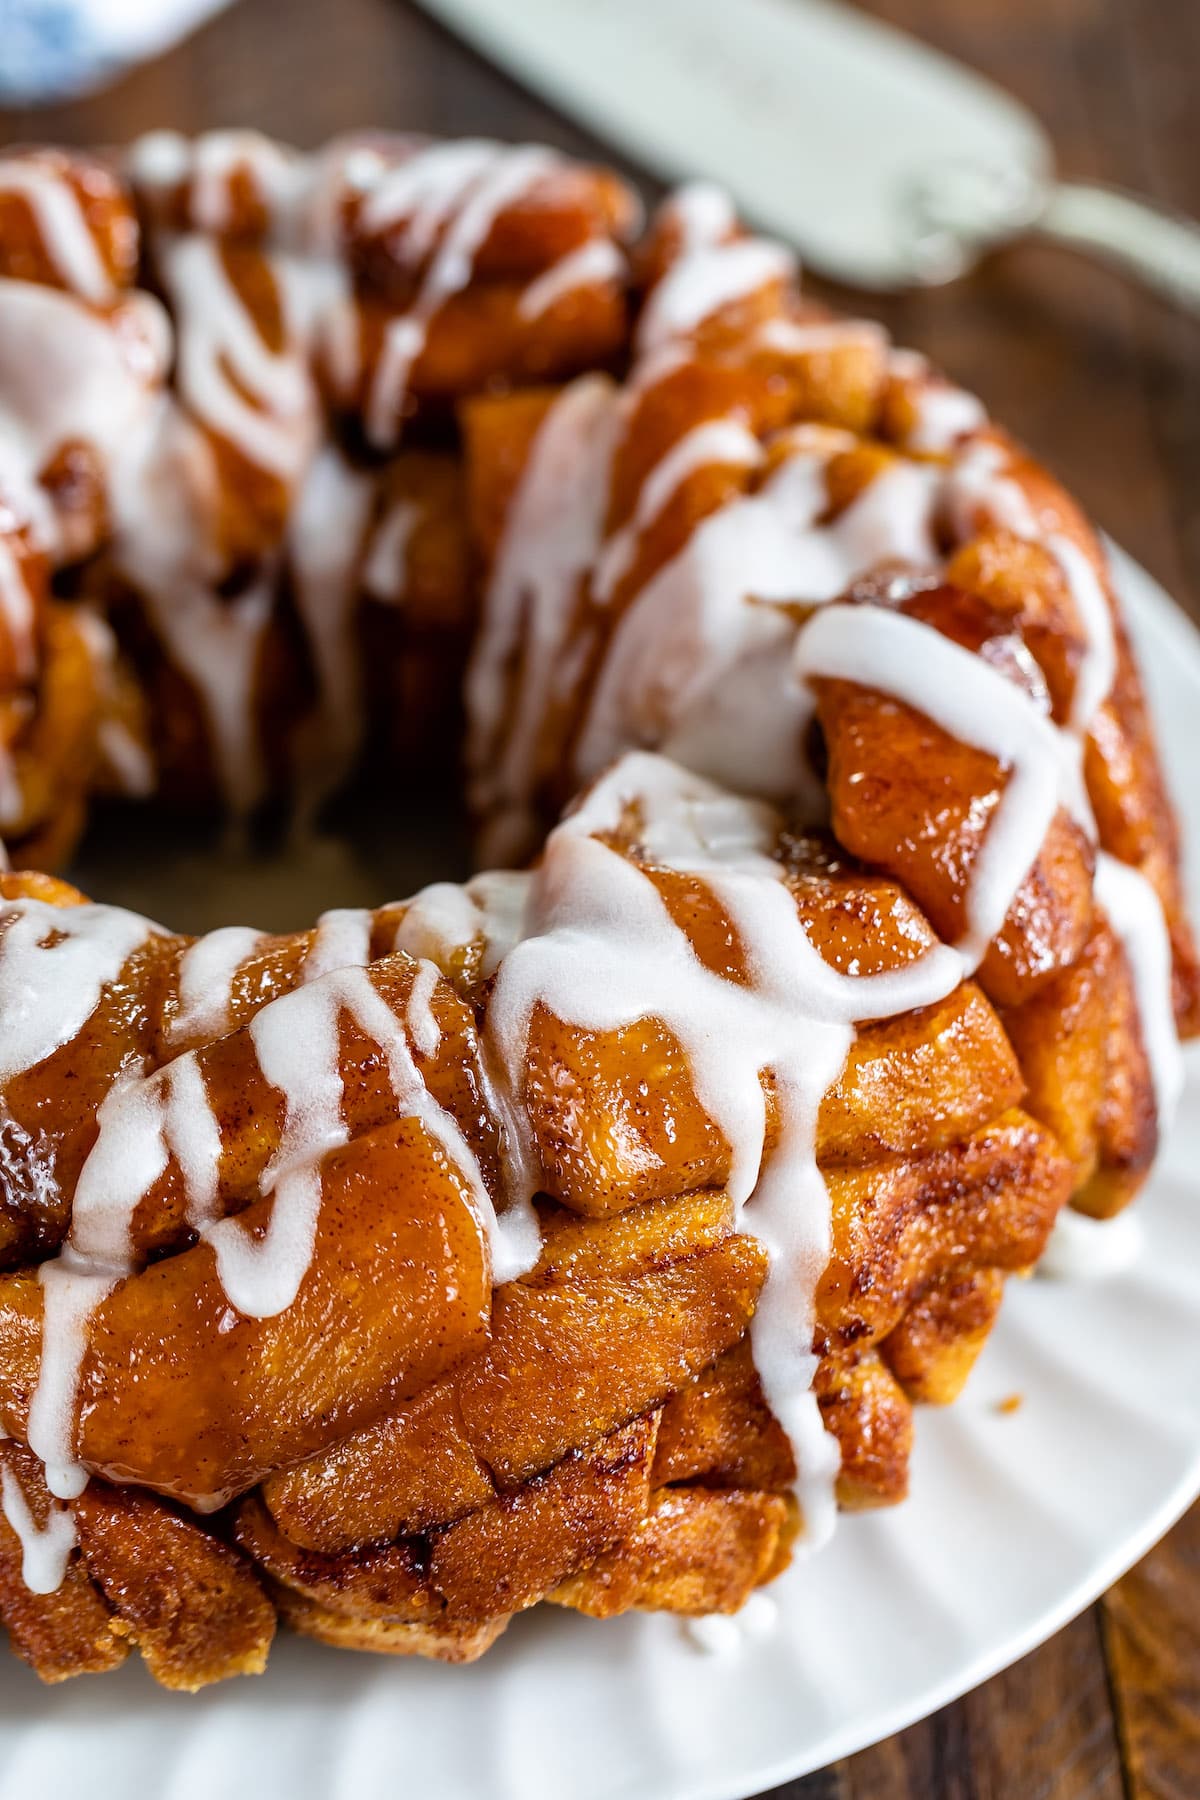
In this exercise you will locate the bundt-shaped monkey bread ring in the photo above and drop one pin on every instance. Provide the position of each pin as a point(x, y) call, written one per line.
point(586, 1233)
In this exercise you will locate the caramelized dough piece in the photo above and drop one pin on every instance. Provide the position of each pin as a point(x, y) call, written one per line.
point(499, 1559)
point(483, 335)
point(719, 1431)
point(499, 439)
point(50, 735)
point(563, 208)
point(249, 508)
point(920, 1082)
point(462, 1642)
point(1137, 824)
point(695, 1552)
point(182, 1393)
point(614, 1115)
point(720, 1428)
point(513, 1551)
point(1124, 774)
point(834, 370)
point(419, 577)
point(23, 622)
point(250, 1110)
point(276, 965)
point(864, 1407)
point(233, 194)
point(914, 802)
point(193, 1606)
point(498, 433)
point(65, 1633)
point(426, 584)
point(371, 1581)
point(696, 392)
point(52, 1109)
point(989, 1201)
point(614, 1317)
point(933, 1349)
point(94, 192)
point(1087, 1077)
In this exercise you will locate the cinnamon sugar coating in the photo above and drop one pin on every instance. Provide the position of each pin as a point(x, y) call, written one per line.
point(584, 1234)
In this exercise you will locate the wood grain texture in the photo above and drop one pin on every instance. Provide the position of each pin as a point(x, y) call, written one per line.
point(1150, 1626)
point(1104, 383)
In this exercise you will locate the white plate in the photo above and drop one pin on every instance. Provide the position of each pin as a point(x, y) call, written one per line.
point(1017, 1520)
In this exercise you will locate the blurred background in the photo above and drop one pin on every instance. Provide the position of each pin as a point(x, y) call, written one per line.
point(1102, 380)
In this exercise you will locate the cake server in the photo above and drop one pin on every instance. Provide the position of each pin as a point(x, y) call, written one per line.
point(885, 162)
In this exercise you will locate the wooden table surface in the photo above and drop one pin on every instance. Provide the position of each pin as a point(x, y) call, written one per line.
point(1105, 386)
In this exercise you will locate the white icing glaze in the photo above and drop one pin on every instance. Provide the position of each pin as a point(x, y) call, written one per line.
point(1133, 910)
point(217, 155)
point(725, 1634)
point(129, 762)
point(978, 705)
point(325, 537)
point(602, 951)
point(67, 373)
point(423, 1027)
point(425, 189)
point(159, 161)
point(45, 1549)
point(262, 402)
point(1094, 679)
point(979, 480)
point(146, 1122)
point(55, 962)
point(61, 225)
point(300, 1056)
point(12, 792)
point(342, 941)
point(717, 441)
point(457, 190)
point(712, 271)
point(218, 643)
point(438, 923)
point(17, 612)
point(344, 170)
point(445, 919)
point(942, 412)
point(501, 897)
point(192, 1135)
point(206, 972)
point(698, 663)
point(165, 546)
point(129, 1156)
point(385, 569)
point(552, 533)
point(804, 337)
point(72, 1289)
point(297, 1043)
point(591, 264)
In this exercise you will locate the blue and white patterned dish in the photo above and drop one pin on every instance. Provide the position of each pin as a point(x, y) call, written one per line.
point(53, 49)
